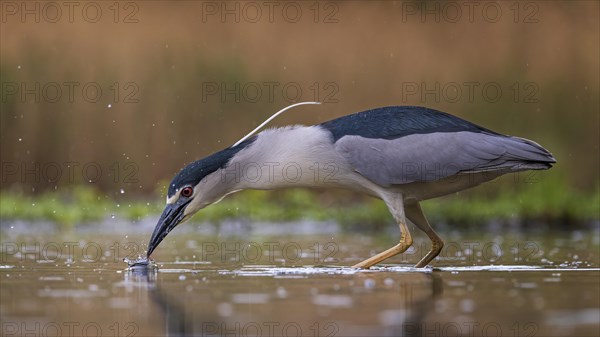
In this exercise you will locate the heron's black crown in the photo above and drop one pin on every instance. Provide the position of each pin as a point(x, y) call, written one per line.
point(194, 172)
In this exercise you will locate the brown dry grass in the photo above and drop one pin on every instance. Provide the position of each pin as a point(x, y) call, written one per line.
point(370, 54)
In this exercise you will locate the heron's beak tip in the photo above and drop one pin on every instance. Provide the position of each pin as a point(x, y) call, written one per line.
point(171, 217)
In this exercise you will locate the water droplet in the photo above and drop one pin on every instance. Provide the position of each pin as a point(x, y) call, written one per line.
point(369, 283)
point(281, 292)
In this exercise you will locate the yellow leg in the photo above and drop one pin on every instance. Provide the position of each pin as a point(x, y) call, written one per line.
point(405, 242)
point(416, 216)
point(395, 204)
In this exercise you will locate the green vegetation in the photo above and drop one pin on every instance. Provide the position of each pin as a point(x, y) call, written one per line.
point(549, 200)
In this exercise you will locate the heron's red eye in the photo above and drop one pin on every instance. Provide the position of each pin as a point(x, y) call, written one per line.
point(187, 192)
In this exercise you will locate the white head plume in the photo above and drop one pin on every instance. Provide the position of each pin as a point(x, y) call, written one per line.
point(270, 119)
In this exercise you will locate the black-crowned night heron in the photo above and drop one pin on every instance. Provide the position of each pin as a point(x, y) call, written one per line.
point(401, 155)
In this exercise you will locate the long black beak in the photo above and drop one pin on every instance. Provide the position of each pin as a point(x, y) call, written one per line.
point(171, 217)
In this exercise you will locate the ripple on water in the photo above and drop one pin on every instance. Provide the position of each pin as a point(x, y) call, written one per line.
point(73, 293)
point(51, 278)
point(250, 298)
point(339, 301)
point(504, 268)
point(305, 271)
point(292, 272)
point(175, 270)
point(563, 318)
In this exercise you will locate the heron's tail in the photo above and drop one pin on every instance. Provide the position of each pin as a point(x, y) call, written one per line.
point(524, 154)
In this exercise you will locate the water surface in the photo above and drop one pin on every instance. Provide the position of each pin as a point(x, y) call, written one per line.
point(543, 283)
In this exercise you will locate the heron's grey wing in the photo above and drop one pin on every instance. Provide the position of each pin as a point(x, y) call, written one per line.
point(433, 156)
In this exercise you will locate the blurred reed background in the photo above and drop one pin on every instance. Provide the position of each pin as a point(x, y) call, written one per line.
point(183, 79)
